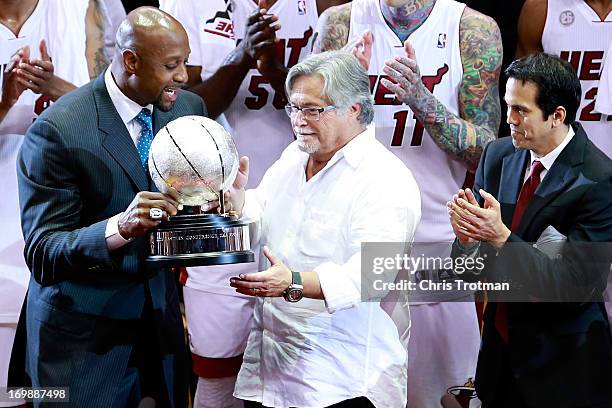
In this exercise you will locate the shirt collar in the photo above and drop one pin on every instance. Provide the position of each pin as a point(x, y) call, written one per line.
point(355, 150)
point(127, 108)
point(548, 159)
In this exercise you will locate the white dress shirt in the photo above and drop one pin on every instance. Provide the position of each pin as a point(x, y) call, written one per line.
point(548, 159)
point(315, 353)
point(128, 110)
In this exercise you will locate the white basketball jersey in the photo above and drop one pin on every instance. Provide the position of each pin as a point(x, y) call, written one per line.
point(436, 43)
point(62, 24)
point(114, 14)
point(209, 28)
point(604, 94)
point(575, 32)
point(14, 273)
point(259, 125)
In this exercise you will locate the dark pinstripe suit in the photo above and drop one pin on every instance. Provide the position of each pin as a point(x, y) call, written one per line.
point(78, 167)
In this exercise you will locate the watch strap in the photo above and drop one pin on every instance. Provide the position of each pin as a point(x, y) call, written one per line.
point(296, 278)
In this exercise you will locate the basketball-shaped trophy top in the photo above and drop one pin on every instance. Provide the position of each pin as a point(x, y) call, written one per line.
point(194, 155)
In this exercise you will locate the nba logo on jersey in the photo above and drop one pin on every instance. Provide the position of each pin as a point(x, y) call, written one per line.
point(301, 7)
point(442, 40)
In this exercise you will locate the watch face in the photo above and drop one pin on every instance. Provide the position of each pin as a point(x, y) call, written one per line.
point(294, 295)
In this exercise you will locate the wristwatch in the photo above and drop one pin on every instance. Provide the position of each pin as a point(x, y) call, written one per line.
point(295, 291)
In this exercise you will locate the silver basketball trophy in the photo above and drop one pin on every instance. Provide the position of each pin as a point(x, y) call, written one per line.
point(198, 158)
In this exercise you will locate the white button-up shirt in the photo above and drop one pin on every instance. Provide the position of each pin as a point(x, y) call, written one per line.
point(126, 108)
point(315, 353)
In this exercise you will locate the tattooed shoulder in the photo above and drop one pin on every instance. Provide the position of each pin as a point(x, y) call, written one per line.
point(481, 55)
point(332, 29)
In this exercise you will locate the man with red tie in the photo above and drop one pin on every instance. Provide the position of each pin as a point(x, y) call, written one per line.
point(539, 215)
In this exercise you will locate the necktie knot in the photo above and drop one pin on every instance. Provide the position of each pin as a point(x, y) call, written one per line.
point(536, 168)
point(144, 118)
point(143, 144)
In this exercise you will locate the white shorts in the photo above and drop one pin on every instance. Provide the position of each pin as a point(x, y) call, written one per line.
point(14, 273)
point(218, 325)
point(442, 350)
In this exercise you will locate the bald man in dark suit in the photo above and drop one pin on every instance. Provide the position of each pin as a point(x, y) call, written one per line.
point(99, 320)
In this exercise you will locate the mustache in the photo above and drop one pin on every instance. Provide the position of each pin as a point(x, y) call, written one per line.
point(302, 131)
point(176, 86)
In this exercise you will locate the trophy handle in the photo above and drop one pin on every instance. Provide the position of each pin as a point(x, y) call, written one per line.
point(221, 210)
point(221, 203)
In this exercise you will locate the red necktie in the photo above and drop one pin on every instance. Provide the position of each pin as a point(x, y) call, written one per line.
point(527, 191)
point(526, 194)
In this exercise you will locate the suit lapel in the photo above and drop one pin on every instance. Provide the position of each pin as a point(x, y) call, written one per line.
point(116, 139)
point(160, 119)
point(558, 179)
point(513, 168)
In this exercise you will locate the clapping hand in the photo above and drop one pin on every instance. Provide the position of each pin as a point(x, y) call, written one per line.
point(405, 77)
point(362, 49)
point(260, 35)
point(12, 88)
point(38, 75)
point(458, 216)
point(474, 223)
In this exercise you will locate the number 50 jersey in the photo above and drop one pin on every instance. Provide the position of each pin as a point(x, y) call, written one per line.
point(258, 122)
point(436, 43)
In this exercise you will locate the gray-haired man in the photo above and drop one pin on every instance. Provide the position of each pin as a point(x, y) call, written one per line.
point(331, 190)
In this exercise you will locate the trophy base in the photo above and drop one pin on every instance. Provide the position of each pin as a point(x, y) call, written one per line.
point(216, 258)
point(200, 240)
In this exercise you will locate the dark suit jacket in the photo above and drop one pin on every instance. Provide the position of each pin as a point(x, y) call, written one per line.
point(558, 354)
point(78, 167)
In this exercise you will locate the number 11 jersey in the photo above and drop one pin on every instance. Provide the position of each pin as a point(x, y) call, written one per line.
point(436, 43)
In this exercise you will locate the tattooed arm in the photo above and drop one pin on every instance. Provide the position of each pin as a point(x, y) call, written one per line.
point(332, 29)
point(479, 109)
point(94, 45)
point(530, 27)
point(462, 136)
point(38, 75)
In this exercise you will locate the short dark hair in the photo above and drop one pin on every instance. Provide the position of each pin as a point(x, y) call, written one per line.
point(556, 80)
